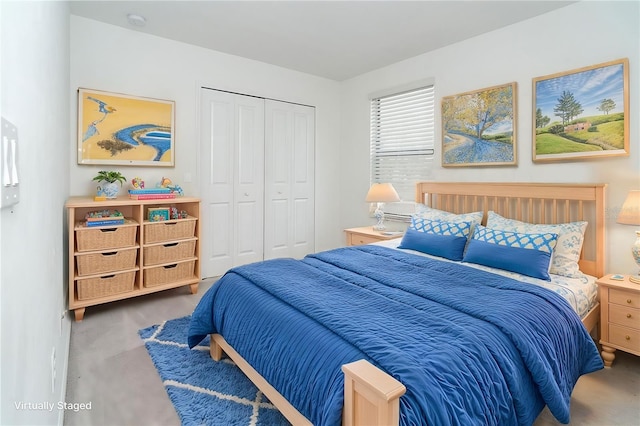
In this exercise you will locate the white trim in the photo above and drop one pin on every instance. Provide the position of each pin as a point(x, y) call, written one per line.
point(407, 87)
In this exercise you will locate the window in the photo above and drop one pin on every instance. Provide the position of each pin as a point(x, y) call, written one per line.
point(402, 138)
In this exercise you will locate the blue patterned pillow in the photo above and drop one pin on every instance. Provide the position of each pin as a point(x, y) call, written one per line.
point(437, 238)
point(457, 229)
point(567, 251)
point(527, 254)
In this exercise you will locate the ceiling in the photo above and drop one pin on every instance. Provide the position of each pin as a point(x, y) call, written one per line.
point(333, 39)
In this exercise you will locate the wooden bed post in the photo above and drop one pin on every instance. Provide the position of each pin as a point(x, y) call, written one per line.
point(371, 396)
point(215, 350)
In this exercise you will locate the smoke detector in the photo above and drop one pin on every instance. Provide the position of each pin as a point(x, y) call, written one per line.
point(136, 20)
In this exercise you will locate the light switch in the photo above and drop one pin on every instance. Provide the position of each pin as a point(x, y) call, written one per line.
point(9, 190)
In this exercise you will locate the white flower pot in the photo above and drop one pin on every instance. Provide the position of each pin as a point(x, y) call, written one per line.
point(111, 189)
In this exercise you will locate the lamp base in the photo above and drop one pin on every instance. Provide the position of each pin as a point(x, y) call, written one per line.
point(379, 215)
point(634, 279)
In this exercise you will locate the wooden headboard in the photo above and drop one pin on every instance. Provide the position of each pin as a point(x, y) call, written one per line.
point(539, 203)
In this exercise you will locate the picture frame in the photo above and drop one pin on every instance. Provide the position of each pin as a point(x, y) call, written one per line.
point(592, 109)
point(479, 128)
point(125, 130)
point(159, 214)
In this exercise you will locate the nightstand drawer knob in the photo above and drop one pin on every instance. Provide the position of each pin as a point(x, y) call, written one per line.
point(628, 315)
point(627, 337)
point(628, 300)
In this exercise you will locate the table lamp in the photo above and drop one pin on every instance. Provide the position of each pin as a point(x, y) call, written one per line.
point(381, 193)
point(630, 215)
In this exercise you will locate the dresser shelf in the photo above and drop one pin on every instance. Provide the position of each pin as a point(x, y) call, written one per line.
point(107, 263)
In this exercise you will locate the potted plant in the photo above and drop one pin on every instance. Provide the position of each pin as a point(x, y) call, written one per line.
point(111, 179)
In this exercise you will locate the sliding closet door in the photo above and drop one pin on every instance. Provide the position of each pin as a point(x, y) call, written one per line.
point(289, 180)
point(232, 174)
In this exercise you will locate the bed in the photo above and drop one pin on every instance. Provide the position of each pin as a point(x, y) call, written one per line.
point(385, 335)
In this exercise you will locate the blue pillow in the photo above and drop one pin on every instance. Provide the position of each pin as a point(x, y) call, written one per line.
point(527, 254)
point(443, 239)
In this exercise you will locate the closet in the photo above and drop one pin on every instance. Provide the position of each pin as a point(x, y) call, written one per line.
point(257, 180)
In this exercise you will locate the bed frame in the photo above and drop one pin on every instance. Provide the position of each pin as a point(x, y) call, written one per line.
point(371, 396)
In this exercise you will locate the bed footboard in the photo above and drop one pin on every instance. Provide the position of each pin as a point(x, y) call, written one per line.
point(371, 396)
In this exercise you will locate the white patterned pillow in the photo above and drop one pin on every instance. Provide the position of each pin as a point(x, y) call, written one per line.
point(567, 251)
point(426, 212)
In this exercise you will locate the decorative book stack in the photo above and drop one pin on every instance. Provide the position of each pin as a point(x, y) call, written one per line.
point(104, 218)
point(151, 194)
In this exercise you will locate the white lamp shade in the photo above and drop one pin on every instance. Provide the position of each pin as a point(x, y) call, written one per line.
point(382, 193)
point(630, 211)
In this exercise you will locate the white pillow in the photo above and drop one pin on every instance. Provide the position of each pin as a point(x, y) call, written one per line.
point(425, 212)
point(567, 251)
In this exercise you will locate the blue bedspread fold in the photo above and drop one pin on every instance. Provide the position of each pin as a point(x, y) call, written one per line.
point(470, 346)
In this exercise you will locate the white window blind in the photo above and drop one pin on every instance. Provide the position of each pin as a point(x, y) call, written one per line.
point(402, 139)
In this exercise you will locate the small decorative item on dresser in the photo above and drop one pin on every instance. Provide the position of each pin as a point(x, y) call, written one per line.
point(109, 188)
point(137, 183)
point(630, 215)
point(159, 214)
point(619, 317)
point(104, 218)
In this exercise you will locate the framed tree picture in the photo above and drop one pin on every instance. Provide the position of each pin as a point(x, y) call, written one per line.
point(582, 114)
point(124, 130)
point(479, 127)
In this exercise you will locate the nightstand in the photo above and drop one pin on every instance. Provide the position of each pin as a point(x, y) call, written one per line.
point(367, 235)
point(619, 317)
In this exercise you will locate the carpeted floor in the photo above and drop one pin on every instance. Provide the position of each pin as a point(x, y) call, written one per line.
point(203, 391)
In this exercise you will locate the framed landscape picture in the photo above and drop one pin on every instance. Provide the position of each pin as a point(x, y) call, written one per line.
point(124, 130)
point(479, 127)
point(582, 114)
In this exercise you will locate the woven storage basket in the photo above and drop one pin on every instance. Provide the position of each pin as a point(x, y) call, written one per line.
point(91, 288)
point(111, 261)
point(168, 273)
point(91, 239)
point(171, 230)
point(171, 252)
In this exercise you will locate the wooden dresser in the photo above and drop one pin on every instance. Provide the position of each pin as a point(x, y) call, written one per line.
point(619, 317)
point(115, 262)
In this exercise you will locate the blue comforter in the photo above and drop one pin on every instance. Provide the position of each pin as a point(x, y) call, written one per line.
point(470, 346)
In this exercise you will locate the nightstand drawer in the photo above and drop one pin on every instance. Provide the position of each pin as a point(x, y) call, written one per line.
point(625, 298)
point(358, 240)
point(624, 337)
point(627, 317)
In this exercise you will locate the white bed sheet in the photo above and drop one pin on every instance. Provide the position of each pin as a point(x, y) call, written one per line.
point(581, 293)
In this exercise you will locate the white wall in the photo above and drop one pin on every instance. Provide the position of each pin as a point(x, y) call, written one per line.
point(579, 35)
point(160, 68)
point(35, 95)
